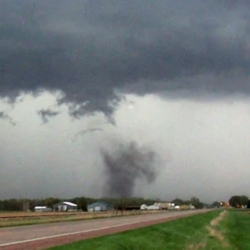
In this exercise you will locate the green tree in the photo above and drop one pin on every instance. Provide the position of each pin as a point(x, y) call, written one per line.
point(11, 205)
point(49, 202)
point(82, 204)
point(178, 202)
point(238, 200)
point(234, 201)
point(186, 202)
point(244, 200)
point(196, 203)
point(216, 204)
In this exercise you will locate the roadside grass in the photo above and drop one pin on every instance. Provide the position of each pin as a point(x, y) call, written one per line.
point(236, 228)
point(216, 238)
point(7, 220)
point(185, 233)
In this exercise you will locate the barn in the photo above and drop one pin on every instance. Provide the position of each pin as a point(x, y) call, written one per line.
point(65, 206)
point(99, 206)
point(41, 209)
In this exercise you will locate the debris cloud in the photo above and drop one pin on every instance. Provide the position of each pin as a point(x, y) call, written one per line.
point(127, 164)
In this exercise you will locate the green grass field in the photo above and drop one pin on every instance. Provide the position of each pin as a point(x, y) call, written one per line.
point(213, 230)
point(236, 228)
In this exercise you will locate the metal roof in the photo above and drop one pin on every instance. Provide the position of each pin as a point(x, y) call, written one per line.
point(69, 203)
point(65, 203)
point(40, 207)
point(100, 203)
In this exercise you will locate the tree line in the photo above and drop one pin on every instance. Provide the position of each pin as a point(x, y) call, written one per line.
point(82, 202)
point(236, 201)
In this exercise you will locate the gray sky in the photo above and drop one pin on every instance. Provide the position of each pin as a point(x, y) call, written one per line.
point(172, 75)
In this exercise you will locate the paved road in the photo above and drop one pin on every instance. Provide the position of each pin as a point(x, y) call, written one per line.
point(14, 236)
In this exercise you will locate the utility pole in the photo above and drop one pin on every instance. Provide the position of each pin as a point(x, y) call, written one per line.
point(121, 206)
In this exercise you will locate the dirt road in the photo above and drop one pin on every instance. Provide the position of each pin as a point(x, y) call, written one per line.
point(47, 235)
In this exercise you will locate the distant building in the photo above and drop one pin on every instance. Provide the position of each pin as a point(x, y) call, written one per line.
point(158, 206)
point(154, 207)
point(144, 207)
point(171, 206)
point(162, 205)
point(99, 206)
point(65, 206)
point(42, 209)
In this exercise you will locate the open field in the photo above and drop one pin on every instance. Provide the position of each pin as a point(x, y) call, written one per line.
point(47, 235)
point(221, 229)
point(30, 218)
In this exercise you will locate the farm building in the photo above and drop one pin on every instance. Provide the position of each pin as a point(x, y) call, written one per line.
point(153, 207)
point(99, 206)
point(65, 206)
point(171, 206)
point(162, 205)
point(144, 207)
point(157, 206)
point(42, 209)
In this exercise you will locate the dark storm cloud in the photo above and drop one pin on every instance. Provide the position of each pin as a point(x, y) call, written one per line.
point(46, 114)
point(89, 49)
point(86, 131)
point(83, 132)
point(125, 166)
point(5, 116)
